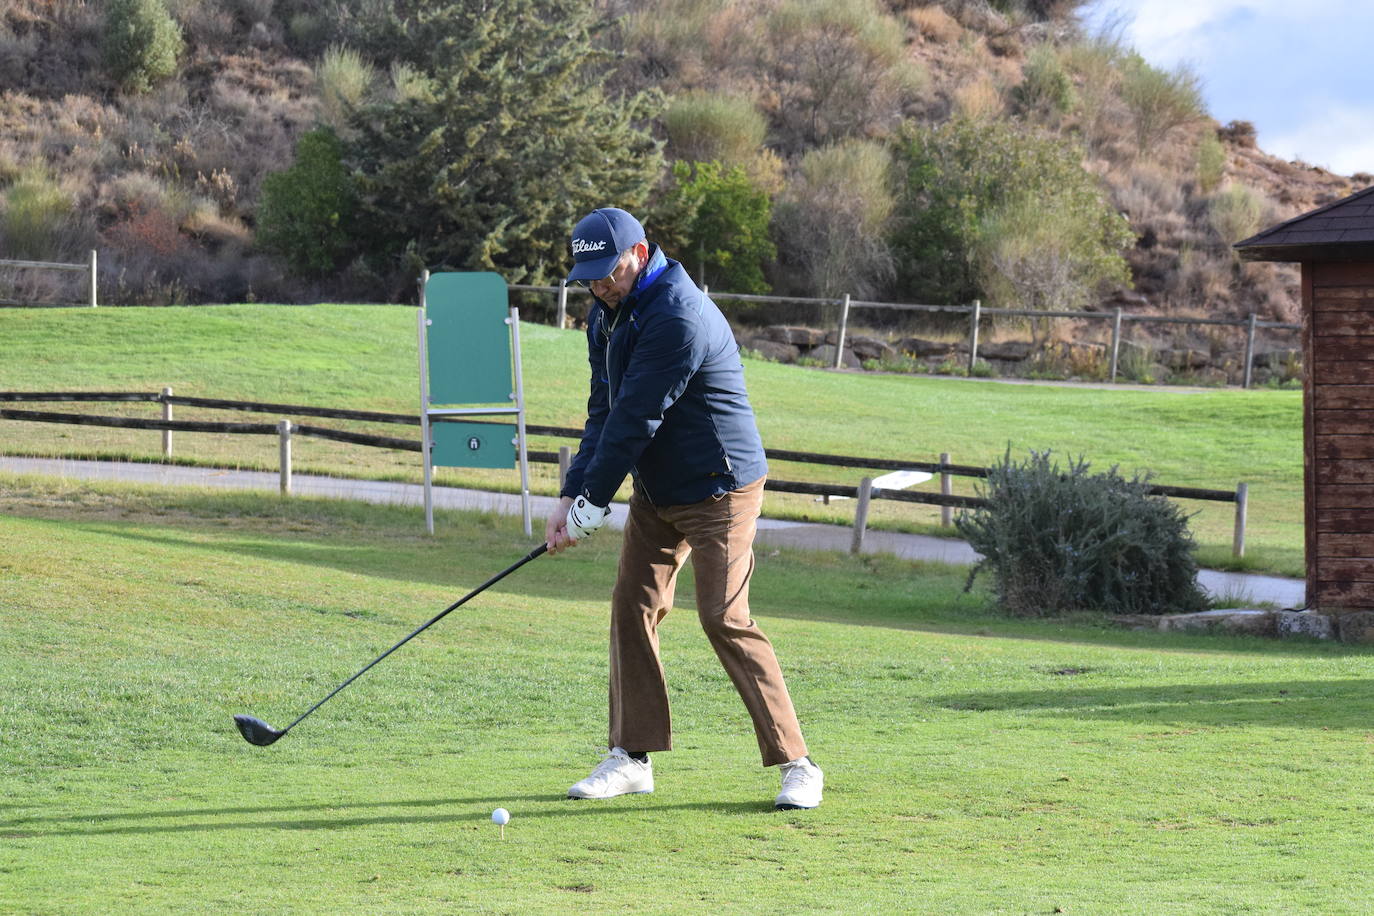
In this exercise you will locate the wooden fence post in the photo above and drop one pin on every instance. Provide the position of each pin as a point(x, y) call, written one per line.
point(564, 462)
point(93, 284)
point(166, 415)
point(1242, 499)
point(1249, 352)
point(861, 514)
point(284, 436)
point(973, 335)
point(1116, 342)
point(839, 341)
point(561, 319)
point(946, 489)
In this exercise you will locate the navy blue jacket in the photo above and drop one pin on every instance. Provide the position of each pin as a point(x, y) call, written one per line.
point(667, 400)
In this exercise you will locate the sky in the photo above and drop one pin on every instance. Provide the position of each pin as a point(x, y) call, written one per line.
point(1301, 72)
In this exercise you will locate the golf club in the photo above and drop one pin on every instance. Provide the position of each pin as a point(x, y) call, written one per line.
point(256, 731)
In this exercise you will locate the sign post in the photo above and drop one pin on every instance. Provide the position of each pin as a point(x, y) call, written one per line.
point(469, 337)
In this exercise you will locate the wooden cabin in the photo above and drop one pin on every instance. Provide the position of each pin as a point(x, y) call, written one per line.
point(1335, 245)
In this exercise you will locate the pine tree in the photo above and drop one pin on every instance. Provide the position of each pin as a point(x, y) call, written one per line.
point(516, 138)
point(141, 43)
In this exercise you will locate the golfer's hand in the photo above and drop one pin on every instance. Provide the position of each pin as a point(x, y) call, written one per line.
point(584, 518)
point(556, 528)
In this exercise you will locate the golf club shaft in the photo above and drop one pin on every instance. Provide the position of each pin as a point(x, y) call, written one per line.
point(431, 622)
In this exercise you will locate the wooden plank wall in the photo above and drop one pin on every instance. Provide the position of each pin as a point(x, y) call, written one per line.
point(1339, 424)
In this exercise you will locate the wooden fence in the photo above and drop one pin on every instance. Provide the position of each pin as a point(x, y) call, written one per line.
point(285, 428)
point(89, 268)
point(975, 312)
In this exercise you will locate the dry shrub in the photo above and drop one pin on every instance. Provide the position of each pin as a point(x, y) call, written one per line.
point(703, 126)
point(149, 232)
point(833, 219)
point(1148, 193)
point(667, 39)
point(1200, 278)
point(205, 23)
point(1095, 66)
point(841, 69)
point(1235, 213)
point(343, 80)
point(1238, 133)
point(979, 100)
point(934, 24)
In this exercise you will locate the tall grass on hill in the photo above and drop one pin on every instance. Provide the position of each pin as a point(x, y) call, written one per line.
point(36, 212)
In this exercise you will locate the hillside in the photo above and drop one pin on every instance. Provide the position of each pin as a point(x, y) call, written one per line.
point(167, 183)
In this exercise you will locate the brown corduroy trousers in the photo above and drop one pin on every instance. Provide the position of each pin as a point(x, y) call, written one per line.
point(718, 534)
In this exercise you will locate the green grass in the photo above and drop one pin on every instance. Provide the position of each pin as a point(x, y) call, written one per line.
point(364, 357)
point(974, 764)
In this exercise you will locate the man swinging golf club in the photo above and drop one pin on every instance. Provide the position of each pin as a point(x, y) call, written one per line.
point(668, 406)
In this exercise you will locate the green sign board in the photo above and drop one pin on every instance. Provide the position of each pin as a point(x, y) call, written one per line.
point(473, 445)
point(469, 339)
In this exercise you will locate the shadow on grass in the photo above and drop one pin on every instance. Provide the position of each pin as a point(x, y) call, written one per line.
point(1337, 704)
point(544, 806)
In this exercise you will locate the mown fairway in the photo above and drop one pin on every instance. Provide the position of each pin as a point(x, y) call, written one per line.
point(364, 357)
point(974, 764)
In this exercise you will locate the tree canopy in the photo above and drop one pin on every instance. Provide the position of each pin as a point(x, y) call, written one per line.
point(516, 139)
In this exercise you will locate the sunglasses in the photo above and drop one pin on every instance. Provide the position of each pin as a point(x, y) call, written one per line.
point(609, 278)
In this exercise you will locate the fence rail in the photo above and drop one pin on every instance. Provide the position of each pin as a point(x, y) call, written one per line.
point(863, 493)
point(88, 268)
point(975, 310)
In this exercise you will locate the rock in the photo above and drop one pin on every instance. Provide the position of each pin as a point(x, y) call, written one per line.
point(1357, 626)
point(1277, 358)
point(915, 346)
point(796, 336)
point(773, 350)
point(1126, 299)
point(1305, 623)
point(872, 348)
point(1008, 351)
point(1184, 359)
point(1226, 620)
point(826, 355)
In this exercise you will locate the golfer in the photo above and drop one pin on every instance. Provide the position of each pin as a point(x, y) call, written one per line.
point(668, 407)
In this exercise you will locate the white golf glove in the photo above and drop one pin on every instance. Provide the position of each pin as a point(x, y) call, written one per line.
point(584, 518)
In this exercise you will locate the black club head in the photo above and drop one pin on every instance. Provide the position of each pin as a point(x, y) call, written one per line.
point(256, 731)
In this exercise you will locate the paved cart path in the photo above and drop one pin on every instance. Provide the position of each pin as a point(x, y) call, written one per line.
point(1244, 587)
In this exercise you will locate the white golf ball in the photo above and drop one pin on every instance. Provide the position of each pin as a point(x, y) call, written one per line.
point(500, 816)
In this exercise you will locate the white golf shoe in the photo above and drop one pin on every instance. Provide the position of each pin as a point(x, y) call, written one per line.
point(617, 774)
point(802, 782)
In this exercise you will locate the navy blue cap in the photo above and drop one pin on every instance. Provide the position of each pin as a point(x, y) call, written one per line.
point(598, 241)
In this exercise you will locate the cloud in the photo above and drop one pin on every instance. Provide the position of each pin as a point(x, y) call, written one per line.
point(1334, 135)
point(1300, 73)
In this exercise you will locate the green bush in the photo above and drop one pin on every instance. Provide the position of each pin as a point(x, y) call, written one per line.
point(716, 222)
point(141, 44)
point(1047, 87)
point(970, 185)
point(305, 211)
point(1159, 100)
point(1211, 162)
point(1067, 540)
